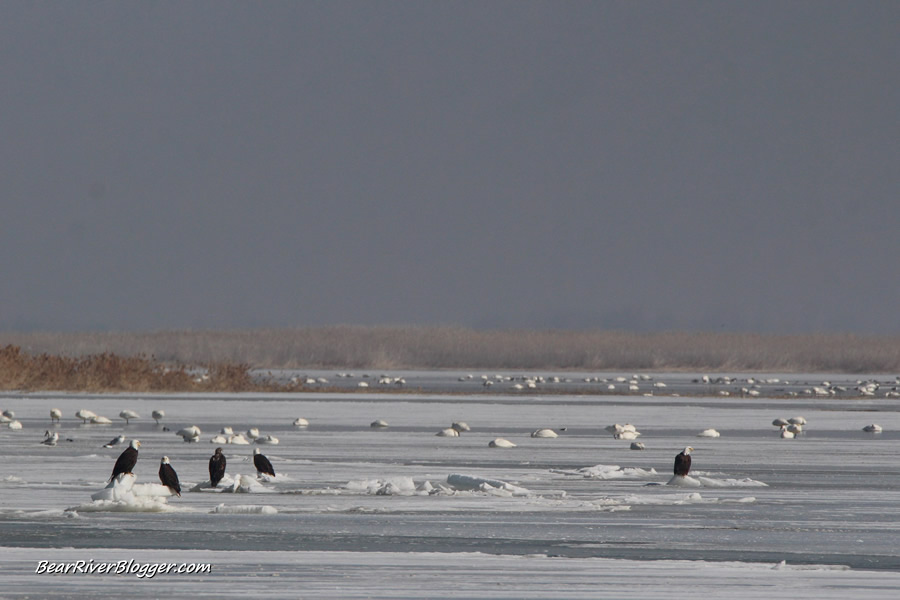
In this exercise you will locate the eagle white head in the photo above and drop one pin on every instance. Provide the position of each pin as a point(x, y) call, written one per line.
point(165, 460)
point(135, 444)
point(687, 451)
point(257, 451)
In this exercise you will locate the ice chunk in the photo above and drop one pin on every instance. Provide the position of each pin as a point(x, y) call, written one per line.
point(244, 509)
point(469, 482)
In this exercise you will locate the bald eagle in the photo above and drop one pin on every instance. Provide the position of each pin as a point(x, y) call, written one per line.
point(216, 467)
point(262, 463)
point(168, 476)
point(126, 461)
point(683, 462)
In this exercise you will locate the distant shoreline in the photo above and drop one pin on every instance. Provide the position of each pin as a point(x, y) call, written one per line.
point(445, 347)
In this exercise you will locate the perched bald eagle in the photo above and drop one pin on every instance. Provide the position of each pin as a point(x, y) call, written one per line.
point(126, 461)
point(168, 476)
point(216, 467)
point(683, 462)
point(262, 463)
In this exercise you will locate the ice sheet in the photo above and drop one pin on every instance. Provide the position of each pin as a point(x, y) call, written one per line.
point(346, 493)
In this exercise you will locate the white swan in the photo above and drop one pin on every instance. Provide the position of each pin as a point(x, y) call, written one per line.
point(14, 425)
point(85, 415)
point(785, 434)
point(55, 415)
point(238, 439)
point(797, 421)
point(616, 428)
point(461, 426)
point(873, 428)
point(219, 439)
point(626, 435)
point(378, 423)
point(50, 439)
point(269, 439)
point(301, 422)
point(227, 431)
point(253, 433)
point(710, 433)
point(501, 443)
point(448, 432)
point(780, 422)
point(100, 420)
point(128, 415)
point(189, 434)
point(157, 415)
point(544, 433)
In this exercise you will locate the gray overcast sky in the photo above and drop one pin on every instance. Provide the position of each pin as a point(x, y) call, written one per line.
point(630, 165)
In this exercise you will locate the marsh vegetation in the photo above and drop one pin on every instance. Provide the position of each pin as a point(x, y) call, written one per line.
point(109, 372)
point(411, 347)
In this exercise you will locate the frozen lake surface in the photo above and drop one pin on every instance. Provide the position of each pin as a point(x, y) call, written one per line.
point(399, 512)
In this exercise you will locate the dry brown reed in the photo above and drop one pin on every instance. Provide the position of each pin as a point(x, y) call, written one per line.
point(108, 372)
point(357, 347)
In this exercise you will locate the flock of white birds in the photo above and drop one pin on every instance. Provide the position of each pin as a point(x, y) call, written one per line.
point(791, 428)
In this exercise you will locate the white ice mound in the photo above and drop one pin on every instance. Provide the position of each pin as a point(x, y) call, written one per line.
point(683, 498)
point(151, 490)
point(709, 482)
point(456, 484)
point(668, 499)
point(245, 484)
point(610, 472)
point(494, 487)
point(123, 495)
point(206, 486)
point(244, 509)
point(686, 481)
point(394, 486)
point(745, 482)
